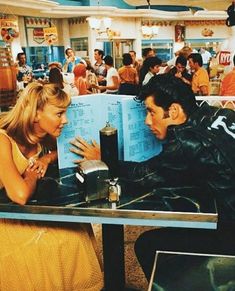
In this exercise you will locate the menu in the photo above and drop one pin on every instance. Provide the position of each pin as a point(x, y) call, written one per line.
point(89, 113)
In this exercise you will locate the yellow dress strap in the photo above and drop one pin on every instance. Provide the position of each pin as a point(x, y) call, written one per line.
point(19, 159)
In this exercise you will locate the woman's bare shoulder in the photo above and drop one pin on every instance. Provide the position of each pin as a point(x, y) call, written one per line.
point(5, 141)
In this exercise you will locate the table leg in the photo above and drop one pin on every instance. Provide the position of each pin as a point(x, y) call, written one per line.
point(113, 253)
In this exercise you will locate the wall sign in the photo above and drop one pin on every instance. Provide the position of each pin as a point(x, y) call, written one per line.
point(224, 58)
point(38, 35)
point(179, 33)
point(9, 29)
point(50, 35)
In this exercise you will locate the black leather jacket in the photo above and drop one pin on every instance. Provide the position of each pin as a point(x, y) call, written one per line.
point(200, 153)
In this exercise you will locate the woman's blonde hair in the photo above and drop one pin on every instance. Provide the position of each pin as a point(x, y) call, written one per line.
point(19, 122)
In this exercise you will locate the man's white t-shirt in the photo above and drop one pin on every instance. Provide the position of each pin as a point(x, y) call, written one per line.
point(112, 72)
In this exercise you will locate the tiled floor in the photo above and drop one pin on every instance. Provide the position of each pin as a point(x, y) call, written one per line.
point(134, 276)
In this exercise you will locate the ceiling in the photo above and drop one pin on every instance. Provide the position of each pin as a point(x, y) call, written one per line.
point(214, 9)
point(206, 4)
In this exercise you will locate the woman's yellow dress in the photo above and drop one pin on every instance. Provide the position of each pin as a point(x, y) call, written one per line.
point(47, 256)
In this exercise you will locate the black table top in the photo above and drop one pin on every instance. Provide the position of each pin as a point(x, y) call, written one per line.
point(62, 199)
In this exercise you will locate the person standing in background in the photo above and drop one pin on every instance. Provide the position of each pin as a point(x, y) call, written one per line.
point(147, 53)
point(180, 71)
point(200, 79)
point(70, 61)
point(206, 56)
point(184, 52)
point(129, 78)
point(112, 78)
point(228, 83)
point(228, 86)
point(99, 67)
point(153, 65)
point(135, 62)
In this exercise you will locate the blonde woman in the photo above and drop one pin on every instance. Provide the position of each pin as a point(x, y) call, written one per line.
point(39, 255)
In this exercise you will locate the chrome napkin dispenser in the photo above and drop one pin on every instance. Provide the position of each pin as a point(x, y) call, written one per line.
point(94, 175)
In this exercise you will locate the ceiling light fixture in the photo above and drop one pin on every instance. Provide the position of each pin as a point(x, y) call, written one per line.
point(101, 24)
point(149, 29)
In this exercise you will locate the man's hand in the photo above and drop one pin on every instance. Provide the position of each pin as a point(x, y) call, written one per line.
point(86, 150)
point(70, 59)
point(178, 75)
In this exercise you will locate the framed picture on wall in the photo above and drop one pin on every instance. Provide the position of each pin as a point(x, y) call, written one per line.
point(179, 33)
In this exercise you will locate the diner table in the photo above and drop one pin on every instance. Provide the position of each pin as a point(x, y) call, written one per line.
point(62, 199)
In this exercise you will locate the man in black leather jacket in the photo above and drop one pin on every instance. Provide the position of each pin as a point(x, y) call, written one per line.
point(199, 151)
point(199, 147)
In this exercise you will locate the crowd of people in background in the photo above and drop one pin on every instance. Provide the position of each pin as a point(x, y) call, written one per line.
point(79, 76)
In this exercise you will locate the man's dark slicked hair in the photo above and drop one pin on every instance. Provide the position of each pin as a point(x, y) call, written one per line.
point(167, 89)
point(197, 58)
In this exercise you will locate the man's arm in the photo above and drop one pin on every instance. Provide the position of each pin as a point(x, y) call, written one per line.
point(204, 90)
point(168, 169)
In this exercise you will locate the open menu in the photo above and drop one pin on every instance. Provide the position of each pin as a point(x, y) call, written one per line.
point(89, 113)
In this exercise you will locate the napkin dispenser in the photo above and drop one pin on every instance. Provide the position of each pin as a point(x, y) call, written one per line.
point(94, 176)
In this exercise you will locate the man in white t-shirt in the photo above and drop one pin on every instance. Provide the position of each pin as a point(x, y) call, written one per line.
point(206, 56)
point(112, 78)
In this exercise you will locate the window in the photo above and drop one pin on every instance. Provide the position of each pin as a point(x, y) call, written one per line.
point(43, 55)
point(163, 48)
point(80, 46)
point(212, 45)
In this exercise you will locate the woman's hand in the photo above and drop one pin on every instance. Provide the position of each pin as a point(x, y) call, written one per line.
point(39, 166)
point(32, 175)
point(86, 150)
point(92, 85)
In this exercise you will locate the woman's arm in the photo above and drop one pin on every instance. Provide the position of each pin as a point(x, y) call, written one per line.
point(19, 188)
point(41, 164)
point(136, 78)
point(49, 156)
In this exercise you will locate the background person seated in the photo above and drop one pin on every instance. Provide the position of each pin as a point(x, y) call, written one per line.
point(80, 80)
point(70, 61)
point(25, 72)
point(56, 77)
